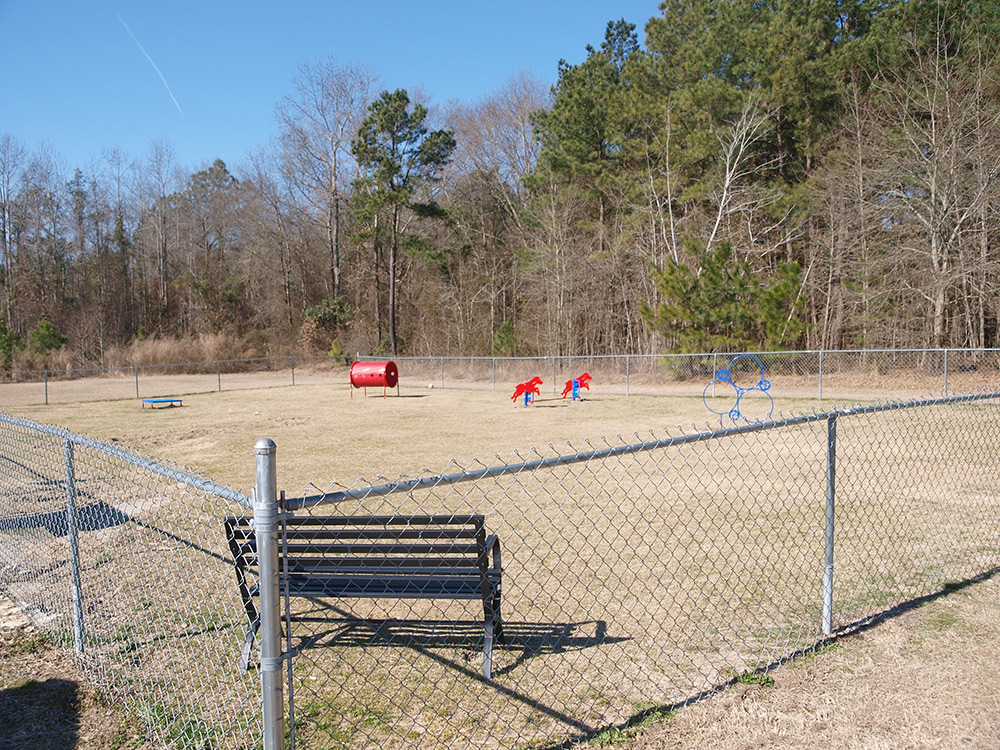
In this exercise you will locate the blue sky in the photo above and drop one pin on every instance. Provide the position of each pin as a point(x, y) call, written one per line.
point(73, 77)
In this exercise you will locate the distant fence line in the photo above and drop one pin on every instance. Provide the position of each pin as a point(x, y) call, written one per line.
point(822, 374)
point(635, 576)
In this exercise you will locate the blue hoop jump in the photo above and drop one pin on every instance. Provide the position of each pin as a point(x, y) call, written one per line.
point(725, 375)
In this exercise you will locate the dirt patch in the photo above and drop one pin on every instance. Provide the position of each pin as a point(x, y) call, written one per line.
point(926, 678)
point(44, 704)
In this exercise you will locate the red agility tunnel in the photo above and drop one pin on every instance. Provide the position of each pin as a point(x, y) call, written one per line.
point(373, 374)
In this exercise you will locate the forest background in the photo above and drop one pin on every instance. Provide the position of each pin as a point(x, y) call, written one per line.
point(741, 175)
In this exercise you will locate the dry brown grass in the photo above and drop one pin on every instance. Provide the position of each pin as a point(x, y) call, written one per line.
point(927, 678)
point(584, 548)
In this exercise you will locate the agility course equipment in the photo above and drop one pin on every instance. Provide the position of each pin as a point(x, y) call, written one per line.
point(574, 385)
point(528, 389)
point(154, 403)
point(373, 374)
point(740, 368)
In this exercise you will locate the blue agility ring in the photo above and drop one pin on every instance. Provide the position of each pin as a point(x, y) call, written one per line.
point(725, 375)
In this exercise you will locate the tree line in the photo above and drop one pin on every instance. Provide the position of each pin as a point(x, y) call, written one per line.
point(750, 174)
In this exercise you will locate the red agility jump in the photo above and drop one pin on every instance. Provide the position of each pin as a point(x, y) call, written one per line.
point(574, 385)
point(529, 390)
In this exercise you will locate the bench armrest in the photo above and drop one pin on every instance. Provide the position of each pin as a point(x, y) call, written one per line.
point(493, 545)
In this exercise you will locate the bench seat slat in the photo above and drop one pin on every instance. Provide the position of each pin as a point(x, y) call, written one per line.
point(320, 563)
point(404, 588)
point(352, 548)
point(435, 520)
point(386, 535)
point(320, 566)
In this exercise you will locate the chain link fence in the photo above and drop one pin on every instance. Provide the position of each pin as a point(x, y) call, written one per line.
point(122, 559)
point(841, 375)
point(527, 604)
point(35, 387)
point(633, 577)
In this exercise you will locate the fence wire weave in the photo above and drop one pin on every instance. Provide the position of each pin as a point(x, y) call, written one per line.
point(116, 556)
point(637, 576)
point(843, 375)
point(629, 576)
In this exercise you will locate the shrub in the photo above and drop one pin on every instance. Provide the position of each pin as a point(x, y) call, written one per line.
point(45, 338)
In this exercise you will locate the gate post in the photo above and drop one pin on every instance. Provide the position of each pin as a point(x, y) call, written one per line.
point(266, 512)
point(831, 494)
point(73, 532)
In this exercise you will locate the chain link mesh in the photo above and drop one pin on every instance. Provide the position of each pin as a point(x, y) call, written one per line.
point(857, 374)
point(636, 575)
point(639, 576)
point(138, 580)
point(805, 374)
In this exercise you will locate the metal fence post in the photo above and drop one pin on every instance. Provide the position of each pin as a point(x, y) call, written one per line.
point(135, 371)
point(553, 374)
point(820, 374)
point(266, 509)
point(831, 477)
point(442, 372)
point(494, 374)
point(628, 373)
point(73, 532)
point(715, 371)
point(218, 374)
point(945, 372)
point(292, 358)
point(46, 387)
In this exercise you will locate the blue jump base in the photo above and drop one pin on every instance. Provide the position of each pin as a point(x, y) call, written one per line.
point(165, 401)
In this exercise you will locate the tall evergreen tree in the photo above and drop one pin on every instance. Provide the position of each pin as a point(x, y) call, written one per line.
point(398, 156)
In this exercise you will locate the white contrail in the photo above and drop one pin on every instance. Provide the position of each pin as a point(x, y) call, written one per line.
point(165, 84)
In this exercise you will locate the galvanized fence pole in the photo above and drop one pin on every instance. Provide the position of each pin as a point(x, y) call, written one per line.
point(135, 371)
point(715, 371)
point(442, 372)
point(292, 358)
point(628, 367)
point(218, 374)
point(831, 477)
point(945, 372)
point(494, 374)
point(553, 374)
point(266, 511)
point(46, 387)
point(820, 374)
point(73, 532)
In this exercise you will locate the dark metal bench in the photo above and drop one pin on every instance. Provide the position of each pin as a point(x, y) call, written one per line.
point(385, 557)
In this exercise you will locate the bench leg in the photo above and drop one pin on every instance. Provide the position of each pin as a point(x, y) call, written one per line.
point(248, 642)
point(500, 638)
point(488, 652)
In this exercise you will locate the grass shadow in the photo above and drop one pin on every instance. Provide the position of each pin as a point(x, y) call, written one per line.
point(40, 715)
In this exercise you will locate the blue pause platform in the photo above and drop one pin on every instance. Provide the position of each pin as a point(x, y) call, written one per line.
point(153, 402)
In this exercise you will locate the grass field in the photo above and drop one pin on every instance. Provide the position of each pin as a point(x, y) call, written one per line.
point(629, 582)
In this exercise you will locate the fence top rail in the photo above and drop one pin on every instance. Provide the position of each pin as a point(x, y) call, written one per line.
point(157, 467)
point(409, 485)
point(789, 352)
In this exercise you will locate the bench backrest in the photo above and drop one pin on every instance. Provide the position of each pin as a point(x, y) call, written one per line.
point(374, 546)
